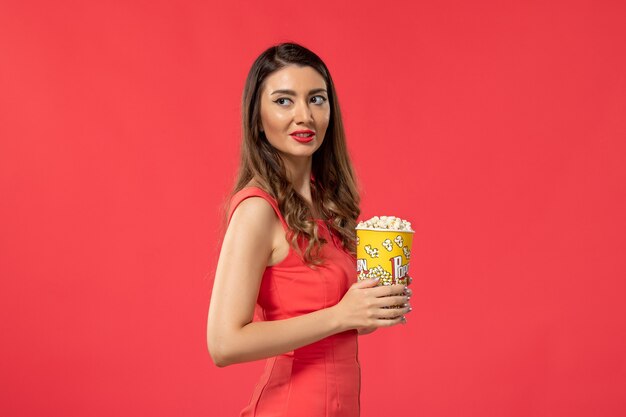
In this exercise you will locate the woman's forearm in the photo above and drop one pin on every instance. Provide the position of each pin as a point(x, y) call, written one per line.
point(264, 339)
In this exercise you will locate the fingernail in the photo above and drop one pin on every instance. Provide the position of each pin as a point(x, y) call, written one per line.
point(410, 309)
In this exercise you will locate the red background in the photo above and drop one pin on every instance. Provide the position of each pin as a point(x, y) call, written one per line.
point(496, 127)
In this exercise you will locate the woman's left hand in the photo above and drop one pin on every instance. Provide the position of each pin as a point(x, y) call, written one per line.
point(367, 330)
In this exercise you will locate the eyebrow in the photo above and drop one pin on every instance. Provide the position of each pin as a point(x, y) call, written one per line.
point(293, 93)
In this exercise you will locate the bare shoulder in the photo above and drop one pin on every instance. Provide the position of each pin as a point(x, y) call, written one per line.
point(251, 234)
point(254, 210)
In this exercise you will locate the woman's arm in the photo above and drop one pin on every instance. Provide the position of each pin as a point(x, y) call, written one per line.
point(232, 337)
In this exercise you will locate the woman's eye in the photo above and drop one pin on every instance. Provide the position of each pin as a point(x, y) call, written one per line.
point(281, 101)
point(321, 99)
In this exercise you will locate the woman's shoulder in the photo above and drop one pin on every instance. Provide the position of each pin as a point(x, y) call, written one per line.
point(253, 202)
point(251, 190)
point(254, 209)
point(252, 217)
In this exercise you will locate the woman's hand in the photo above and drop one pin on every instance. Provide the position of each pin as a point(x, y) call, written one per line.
point(363, 306)
point(367, 330)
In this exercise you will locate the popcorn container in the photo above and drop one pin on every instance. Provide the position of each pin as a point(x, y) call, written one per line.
point(383, 253)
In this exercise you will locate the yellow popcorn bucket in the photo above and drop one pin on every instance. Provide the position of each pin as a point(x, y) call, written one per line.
point(383, 253)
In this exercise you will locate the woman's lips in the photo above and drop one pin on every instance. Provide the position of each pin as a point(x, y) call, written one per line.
point(303, 139)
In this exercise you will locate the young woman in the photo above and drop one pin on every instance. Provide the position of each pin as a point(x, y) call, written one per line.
point(290, 248)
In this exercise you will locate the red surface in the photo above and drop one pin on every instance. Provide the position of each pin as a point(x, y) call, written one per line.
point(498, 129)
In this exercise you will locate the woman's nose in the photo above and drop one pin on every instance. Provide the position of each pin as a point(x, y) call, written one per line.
point(303, 112)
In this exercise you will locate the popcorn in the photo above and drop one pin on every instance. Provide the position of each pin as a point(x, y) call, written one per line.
point(384, 249)
point(376, 272)
point(386, 223)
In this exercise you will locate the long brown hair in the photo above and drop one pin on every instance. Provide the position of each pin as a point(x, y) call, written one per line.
point(334, 190)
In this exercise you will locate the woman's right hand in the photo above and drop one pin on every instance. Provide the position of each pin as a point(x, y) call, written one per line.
point(362, 305)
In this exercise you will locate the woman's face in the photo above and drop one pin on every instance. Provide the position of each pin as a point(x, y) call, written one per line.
point(294, 99)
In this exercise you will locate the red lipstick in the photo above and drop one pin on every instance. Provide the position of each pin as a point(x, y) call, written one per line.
point(303, 136)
